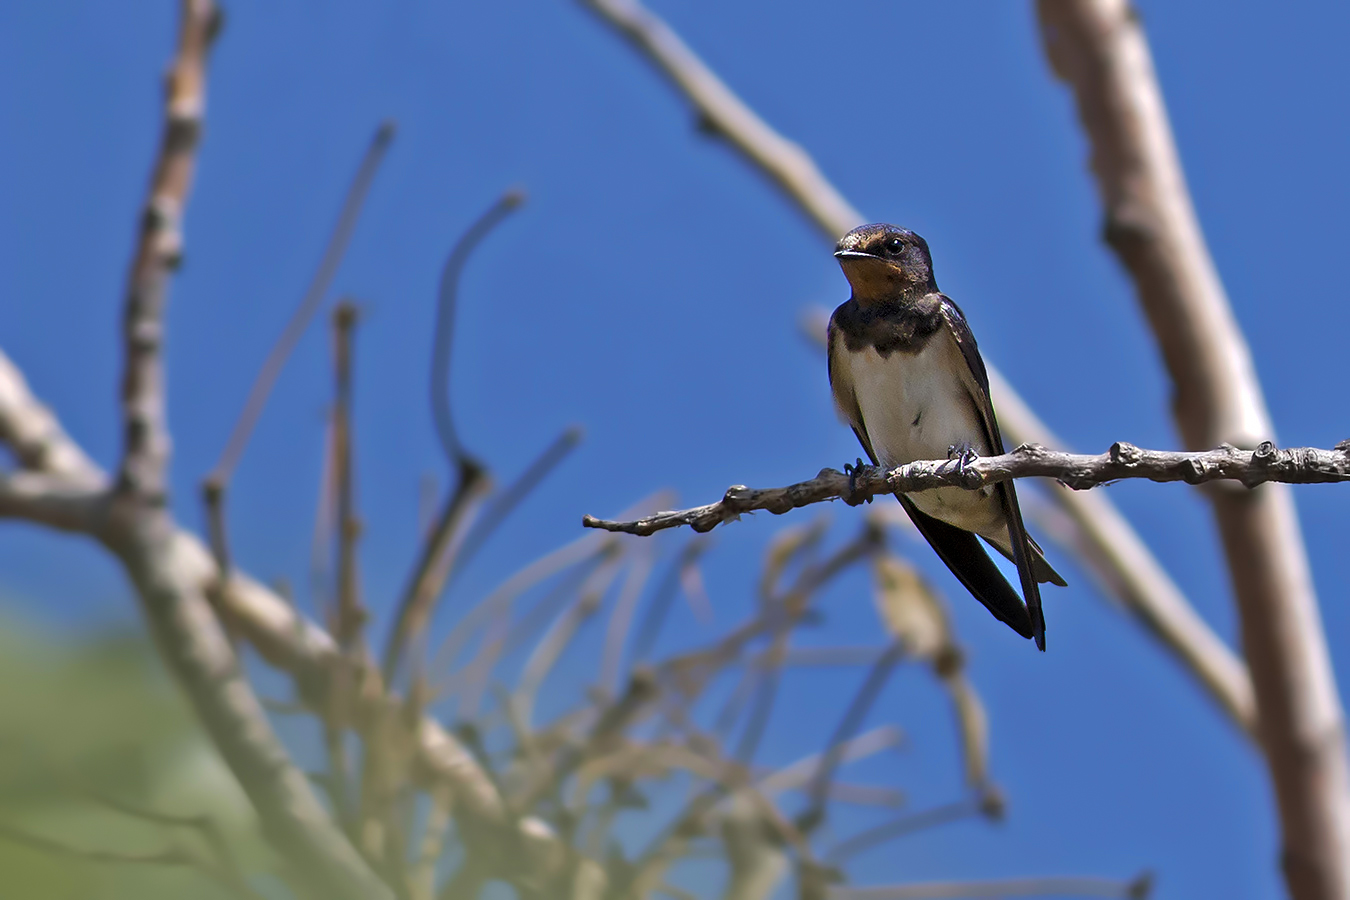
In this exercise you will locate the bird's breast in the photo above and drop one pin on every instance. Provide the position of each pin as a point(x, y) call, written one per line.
point(917, 405)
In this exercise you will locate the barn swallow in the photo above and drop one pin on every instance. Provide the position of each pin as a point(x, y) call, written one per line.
point(908, 378)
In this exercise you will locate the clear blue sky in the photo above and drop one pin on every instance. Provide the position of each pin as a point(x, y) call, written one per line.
point(651, 291)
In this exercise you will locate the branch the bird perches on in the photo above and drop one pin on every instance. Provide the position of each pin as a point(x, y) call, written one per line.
point(1267, 463)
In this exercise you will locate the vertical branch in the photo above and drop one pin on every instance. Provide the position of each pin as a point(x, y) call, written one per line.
point(145, 438)
point(350, 614)
point(216, 482)
point(1100, 50)
point(171, 579)
point(309, 305)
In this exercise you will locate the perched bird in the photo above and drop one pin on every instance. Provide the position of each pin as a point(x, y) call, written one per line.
point(907, 376)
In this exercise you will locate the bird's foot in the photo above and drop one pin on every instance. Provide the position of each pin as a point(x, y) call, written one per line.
point(963, 454)
point(852, 470)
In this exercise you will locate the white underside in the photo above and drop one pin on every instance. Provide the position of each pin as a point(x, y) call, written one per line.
point(917, 406)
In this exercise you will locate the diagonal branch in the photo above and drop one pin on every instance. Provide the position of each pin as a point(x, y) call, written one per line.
point(1099, 49)
point(314, 296)
point(1302, 465)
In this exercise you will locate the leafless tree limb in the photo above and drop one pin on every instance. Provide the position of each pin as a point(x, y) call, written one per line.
point(1137, 889)
point(34, 435)
point(138, 529)
point(1117, 550)
point(1099, 49)
point(145, 448)
point(1302, 465)
point(472, 483)
point(309, 305)
point(169, 856)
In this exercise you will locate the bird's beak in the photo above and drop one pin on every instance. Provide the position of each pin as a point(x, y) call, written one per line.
point(852, 254)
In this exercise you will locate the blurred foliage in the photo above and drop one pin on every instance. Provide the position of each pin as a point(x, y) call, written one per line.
point(99, 756)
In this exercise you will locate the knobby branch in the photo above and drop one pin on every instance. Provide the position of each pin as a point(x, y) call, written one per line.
point(1267, 463)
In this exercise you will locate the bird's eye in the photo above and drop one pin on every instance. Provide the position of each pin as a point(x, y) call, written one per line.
point(895, 245)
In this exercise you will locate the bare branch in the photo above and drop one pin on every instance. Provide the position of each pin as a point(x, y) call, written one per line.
point(1138, 889)
point(906, 824)
point(34, 435)
point(159, 249)
point(351, 615)
point(1303, 465)
point(1099, 48)
point(505, 502)
point(441, 549)
point(849, 723)
point(803, 772)
point(172, 581)
point(723, 113)
point(445, 322)
point(53, 501)
point(309, 305)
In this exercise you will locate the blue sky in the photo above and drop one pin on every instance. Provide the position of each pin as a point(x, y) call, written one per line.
point(651, 291)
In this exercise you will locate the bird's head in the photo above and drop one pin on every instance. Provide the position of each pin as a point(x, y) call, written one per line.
point(885, 262)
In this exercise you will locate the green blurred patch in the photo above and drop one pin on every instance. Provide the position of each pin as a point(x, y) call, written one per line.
point(96, 749)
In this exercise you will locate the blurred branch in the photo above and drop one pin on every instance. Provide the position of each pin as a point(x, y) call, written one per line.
point(170, 856)
point(804, 772)
point(34, 435)
point(437, 558)
point(159, 250)
point(1302, 465)
point(849, 723)
point(309, 305)
point(1131, 573)
point(351, 616)
point(52, 500)
point(1099, 49)
point(722, 113)
point(172, 583)
point(1137, 889)
point(217, 481)
point(906, 824)
point(505, 502)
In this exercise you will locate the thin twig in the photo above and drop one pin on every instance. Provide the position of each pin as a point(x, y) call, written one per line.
point(654, 618)
point(440, 551)
point(174, 586)
point(722, 113)
point(351, 615)
point(1302, 465)
point(445, 320)
point(803, 772)
point(1049, 886)
point(502, 635)
point(506, 502)
point(309, 305)
point(551, 646)
point(849, 723)
point(621, 619)
point(904, 825)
